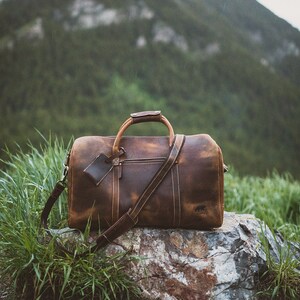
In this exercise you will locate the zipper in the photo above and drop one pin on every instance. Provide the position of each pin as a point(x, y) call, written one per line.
point(142, 160)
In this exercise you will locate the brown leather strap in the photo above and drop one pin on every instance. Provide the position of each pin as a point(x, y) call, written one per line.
point(58, 189)
point(129, 219)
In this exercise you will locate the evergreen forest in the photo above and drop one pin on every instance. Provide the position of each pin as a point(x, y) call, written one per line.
point(227, 68)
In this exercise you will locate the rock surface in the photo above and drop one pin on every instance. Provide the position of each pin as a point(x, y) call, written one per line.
point(190, 264)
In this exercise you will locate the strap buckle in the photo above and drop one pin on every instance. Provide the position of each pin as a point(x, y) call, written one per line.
point(65, 170)
point(116, 155)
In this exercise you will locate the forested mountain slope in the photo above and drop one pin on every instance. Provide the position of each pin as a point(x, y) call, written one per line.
point(227, 68)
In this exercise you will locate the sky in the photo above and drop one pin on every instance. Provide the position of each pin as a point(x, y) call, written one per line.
point(285, 9)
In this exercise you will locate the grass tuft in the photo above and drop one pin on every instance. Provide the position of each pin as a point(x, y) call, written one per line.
point(34, 267)
point(281, 279)
point(275, 200)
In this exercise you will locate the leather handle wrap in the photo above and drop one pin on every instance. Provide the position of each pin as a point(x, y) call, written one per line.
point(141, 117)
point(146, 116)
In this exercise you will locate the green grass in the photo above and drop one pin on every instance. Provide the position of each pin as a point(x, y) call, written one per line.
point(31, 263)
point(28, 259)
point(281, 280)
point(275, 200)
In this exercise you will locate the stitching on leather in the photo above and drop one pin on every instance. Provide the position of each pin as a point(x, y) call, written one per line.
point(113, 196)
point(220, 163)
point(174, 199)
point(143, 163)
point(106, 238)
point(159, 177)
point(133, 221)
point(219, 183)
point(117, 205)
point(179, 199)
point(146, 159)
point(116, 223)
point(71, 201)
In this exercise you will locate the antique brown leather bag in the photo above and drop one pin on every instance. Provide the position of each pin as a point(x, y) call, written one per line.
point(165, 182)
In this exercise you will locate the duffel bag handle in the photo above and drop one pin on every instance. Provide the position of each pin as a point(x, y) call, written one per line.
point(140, 117)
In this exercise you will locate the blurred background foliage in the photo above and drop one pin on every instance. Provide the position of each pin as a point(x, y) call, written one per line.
point(227, 68)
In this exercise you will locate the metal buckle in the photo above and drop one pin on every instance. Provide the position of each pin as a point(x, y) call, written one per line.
point(64, 174)
point(116, 155)
point(65, 169)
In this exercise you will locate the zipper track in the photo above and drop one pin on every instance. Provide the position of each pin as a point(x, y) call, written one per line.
point(142, 160)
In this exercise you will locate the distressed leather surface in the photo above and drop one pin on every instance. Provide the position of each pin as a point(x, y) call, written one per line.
point(191, 195)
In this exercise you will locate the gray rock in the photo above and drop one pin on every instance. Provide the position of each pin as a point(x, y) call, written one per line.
point(190, 264)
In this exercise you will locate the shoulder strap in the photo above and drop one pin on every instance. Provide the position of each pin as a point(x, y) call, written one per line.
point(130, 218)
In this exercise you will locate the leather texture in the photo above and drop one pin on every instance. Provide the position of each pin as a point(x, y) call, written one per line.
point(189, 196)
point(130, 218)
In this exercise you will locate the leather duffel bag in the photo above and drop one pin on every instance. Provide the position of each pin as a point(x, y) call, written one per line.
point(119, 182)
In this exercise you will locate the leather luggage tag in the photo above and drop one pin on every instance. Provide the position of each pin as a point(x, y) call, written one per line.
point(98, 168)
